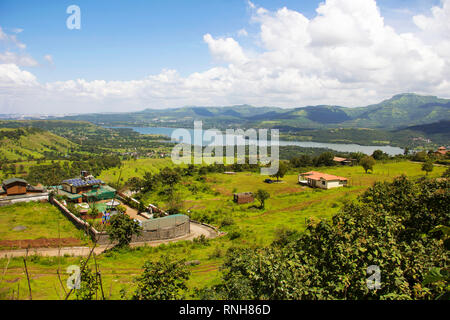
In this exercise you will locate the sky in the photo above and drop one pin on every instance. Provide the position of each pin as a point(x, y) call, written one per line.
point(136, 54)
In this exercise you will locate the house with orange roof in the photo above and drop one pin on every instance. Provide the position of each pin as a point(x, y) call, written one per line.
point(344, 161)
point(442, 151)
point(321, 180)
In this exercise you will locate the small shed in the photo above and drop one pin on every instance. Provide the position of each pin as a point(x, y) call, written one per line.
point(15, 186)
point(241, 198)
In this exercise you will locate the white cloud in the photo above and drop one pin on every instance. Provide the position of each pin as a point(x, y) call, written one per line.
point(23, 60)
point(344, 55)
point(12, 76)
point(242, 33)
point(225, 49)
point(49, 58)
point(11, 38)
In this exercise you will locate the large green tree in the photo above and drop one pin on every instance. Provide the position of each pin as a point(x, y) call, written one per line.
point(428, 167)
point(162, 280)
point(282, 170)
point(121, 228)
point(262, 196)
point(367, 163)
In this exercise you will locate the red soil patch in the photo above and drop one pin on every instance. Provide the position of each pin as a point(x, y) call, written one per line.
point(40, 243)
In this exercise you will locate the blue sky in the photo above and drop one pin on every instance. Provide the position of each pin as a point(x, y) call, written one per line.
point(125, 40)
point(131, 40)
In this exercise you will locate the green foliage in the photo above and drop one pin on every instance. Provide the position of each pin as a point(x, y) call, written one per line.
point(88, 286)
point(227, 221)
point(121, 209)
point(428, 167)
point(380, 155)
point(121, 228)
point(162, 280)
point(367, 163)
point(282, 170)
point(446, 174)
point(388, 227)
point(262, 196)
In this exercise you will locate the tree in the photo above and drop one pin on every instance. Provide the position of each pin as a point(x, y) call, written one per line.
point(262, 196)
point(379, 155)
point(367, 163)
point(162, 280)
point(121, 228)
point(175, 202)
point(169, 176)
point(282, 170)
point(88, 285)
point(428, 167)
point(446, 173)
point(325, 159)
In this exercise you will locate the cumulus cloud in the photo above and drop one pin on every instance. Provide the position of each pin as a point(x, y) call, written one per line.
point(345, 55)
point(225, 49)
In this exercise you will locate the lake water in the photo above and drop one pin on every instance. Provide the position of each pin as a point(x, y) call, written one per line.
point(307, 144)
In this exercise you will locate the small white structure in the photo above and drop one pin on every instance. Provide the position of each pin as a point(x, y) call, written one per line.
point(113, 203)
point(321, 180)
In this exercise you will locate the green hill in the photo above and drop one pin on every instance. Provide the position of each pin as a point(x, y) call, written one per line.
point(31, 143)
point(400, 111)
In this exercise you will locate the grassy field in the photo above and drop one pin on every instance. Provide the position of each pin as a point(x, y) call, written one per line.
point(41, 221)
point(289, 206)
point(135, 168)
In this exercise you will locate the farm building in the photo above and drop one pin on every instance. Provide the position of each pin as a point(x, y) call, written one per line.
point(17, 186)
point(321, 180)
point(442, 151)
point(241, 198)
point(344, 161)
point(19, 190)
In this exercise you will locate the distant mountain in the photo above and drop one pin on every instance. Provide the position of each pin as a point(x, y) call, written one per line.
point(400, 111)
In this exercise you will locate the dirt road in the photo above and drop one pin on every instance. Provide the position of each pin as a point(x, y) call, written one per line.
point(196, 231)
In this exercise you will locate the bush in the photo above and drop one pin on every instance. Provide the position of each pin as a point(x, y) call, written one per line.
point(227, 221)
point(234, 234)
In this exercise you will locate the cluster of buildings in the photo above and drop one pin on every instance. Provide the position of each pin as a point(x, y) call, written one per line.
point(86, 188)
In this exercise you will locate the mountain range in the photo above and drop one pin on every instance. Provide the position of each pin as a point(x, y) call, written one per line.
point(400, 111)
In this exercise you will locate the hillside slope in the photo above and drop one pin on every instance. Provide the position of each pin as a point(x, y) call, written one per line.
point(31, 143)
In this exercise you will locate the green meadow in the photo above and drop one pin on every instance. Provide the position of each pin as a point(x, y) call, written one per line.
point(289, 206)
point(40, 221)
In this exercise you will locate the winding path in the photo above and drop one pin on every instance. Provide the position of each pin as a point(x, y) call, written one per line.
point(197, 230)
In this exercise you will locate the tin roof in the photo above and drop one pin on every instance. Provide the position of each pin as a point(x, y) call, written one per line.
point(314, 175)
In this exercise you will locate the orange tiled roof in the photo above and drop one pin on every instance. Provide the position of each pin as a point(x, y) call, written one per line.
point(314, 175)
point(338, 159)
